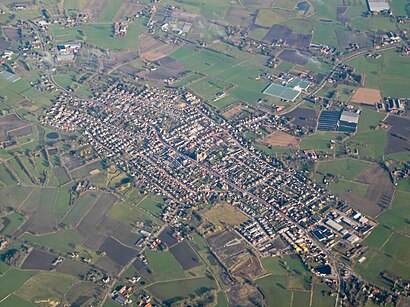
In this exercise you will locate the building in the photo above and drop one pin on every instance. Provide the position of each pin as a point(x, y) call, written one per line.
point(348, 121)
point(378, 5)
point(290, 91)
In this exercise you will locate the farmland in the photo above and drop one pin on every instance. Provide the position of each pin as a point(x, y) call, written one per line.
point(380, 73)
point(344, 168)
point(288, 282)
point(140, 159)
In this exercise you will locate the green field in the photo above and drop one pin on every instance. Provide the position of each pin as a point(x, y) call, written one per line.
point(369, 144)
point(47, 286)
point(102, 35)
point(110, 11)
point(14, 300)
point(13, 221)
point(319, 141)
point(63, 240)
point(377, 262)
point(65, 34)
point(346, 169)
point(398, 216)
point(166, 291)
point(288, 282)
point(382, 73)
point(129, 214)
point(378, 237)
point(221, 299)
point(14, 196)
point(369, 120)
point(12, 280)
point(164, 265)
point(231, 73)
point(152, 204)
point(325, 33)
point(79, 208)
point(321, 297)
point(354, 187)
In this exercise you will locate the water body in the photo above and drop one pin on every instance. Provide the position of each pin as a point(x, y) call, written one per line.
point(303, 6)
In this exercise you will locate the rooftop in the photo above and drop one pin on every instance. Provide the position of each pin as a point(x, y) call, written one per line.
point(378, 5)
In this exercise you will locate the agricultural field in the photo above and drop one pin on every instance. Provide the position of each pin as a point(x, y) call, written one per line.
point(381, 73)
point(346, 169)
point(102, 35)
point(74, 214)
point(288, 282)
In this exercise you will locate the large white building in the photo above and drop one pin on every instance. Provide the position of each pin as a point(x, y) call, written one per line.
point(378, 5)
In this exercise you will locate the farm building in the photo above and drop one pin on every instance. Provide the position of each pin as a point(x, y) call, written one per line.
point(378, 5)
point(348, 121)
point(344, 121)
point(290, 91)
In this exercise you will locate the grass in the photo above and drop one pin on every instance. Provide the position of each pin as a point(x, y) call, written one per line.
point(62, 201)
point(369, 120)
point(63, 240)
point(377, 262)
point(85, 170)
point(274, 288)
point(6, 176)
point(47, 286)
point(225, 214)
point(102, 35)
point(398, 247)
point(373, 24)
point(181, 288)
point(14, 220)
point(152, 204)
point(325, 9)
point(110, 11)
point(65, 80)
point(129, 214)
point(357, 188)
point(14, 196)
point(164, 265)
point(64, 34)
point(221, 300)
point(346, 169)
point(14, 300)
point(79, 208)
point(397, 218)
point(325, 33)
point(319, 141)
point(369, 144)
point(269, 17)
point(214, 9)
point(320, 296)
point(382, 73)
point(12, 280)
point(287, 277)
point(378, 237)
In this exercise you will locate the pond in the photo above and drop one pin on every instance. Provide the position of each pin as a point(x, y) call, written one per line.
point(303, 6)
point(52, 135)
